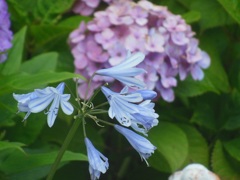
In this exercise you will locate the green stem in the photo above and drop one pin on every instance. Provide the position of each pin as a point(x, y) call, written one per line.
point(64, 147)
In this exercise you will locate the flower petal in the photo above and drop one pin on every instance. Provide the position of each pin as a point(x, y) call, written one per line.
point(131, 82)
point(66, 107)
point(53, 111)
point(132, 60)
point(60, 87)
point(39, 104)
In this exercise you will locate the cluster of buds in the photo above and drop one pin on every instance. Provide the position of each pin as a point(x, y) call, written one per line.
point(166, 40)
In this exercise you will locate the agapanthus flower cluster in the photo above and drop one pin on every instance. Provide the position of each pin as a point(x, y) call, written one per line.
point(131, 109)
point(5, 32)
point(165, 39)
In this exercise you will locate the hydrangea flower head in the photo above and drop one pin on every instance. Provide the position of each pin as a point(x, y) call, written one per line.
point(98, 163)
point(40, 99)
point(168, 43)
point(5, 33)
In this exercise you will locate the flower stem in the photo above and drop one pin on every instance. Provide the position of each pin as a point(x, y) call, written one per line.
point(64, 147)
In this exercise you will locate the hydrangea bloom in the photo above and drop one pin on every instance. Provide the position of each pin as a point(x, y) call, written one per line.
point(130, 109)
point(87, 7)
point(143, 146)
point(166, 40)
point(98, 163)
point(5, 33)
point(40, 99)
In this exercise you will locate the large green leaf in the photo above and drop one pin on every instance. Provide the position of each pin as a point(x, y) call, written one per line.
point(10, 145)
point(190, 87)
point(19, 162)
point(13, 62)
point(25, 81)
point(212, 14)
point(198, 148)
point(38, 11)
point(233, 148)
point(192, 16)
point(50, 35)
point(204, 116)
point(221, 164)
point(172, 147)
point(8, 109)
point(50, 10)
point(42, 62)
point(232, 111)
point(232, 7)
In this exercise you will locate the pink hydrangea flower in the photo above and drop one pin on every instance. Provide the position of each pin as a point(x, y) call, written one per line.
point(165, 39)
point(5, 32)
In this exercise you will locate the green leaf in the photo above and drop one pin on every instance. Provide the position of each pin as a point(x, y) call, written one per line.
point(233, 148)
point(19, 162)
point(232, 111)
point(212, 14)
point(204, 116)
point(172, 147)
point(232, 7)
point(221, 164)
point(50, 10)
point(42, 62)
point(191, 16)
point(51, 35)
point(25, 81)
point(8, 109)
point(11, 145)
point(191, 88)
point(13, 62)
point(198, 148)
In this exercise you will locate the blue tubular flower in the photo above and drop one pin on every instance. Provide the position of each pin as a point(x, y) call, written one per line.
point(98, 163)
point(143, 146)
point(40, 99)
point(125, 71)
point(122, 104)
point(146, 118)
point(130, 109)
point(147, 94)
point(23, 100)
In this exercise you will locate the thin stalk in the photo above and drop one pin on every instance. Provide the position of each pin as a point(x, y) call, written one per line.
point(77, 95)
point(102, 104)
point(100, 120)
point(64, 147)
point(88, 87)
point(97, 111)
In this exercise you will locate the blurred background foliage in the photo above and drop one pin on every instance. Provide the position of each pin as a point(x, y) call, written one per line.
point(202, 124)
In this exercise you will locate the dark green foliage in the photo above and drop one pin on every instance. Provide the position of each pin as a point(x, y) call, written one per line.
point(201, 126)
